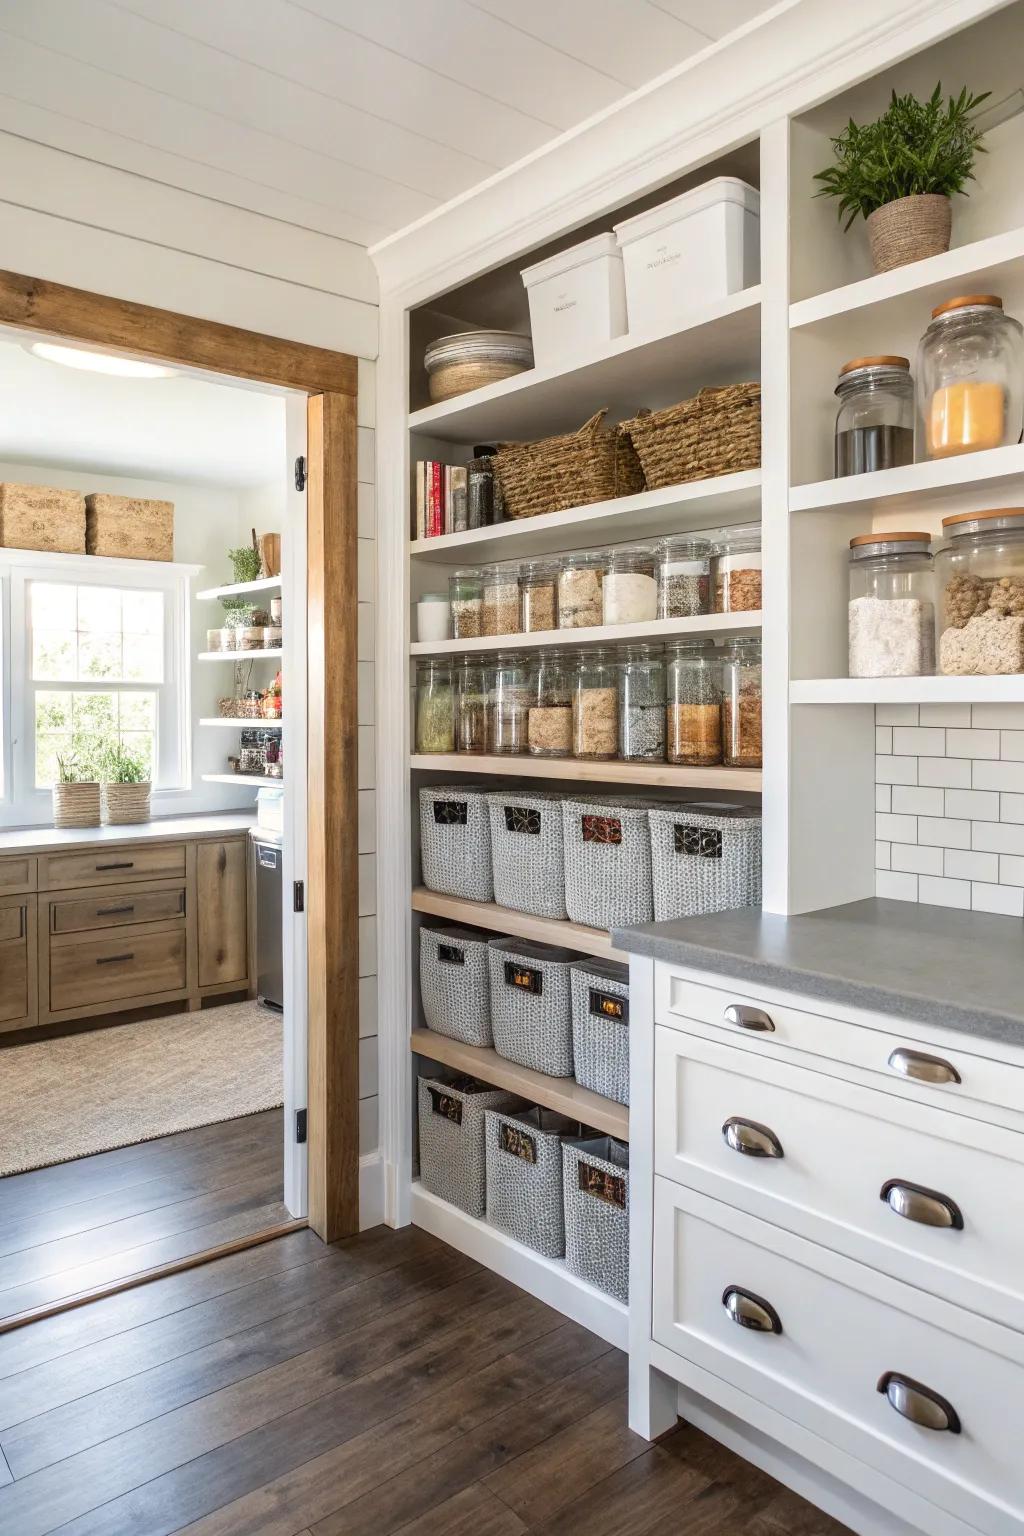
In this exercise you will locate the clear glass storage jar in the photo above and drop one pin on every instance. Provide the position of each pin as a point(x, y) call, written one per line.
point(741, 704)
point(466, 599)
point(481, 487)
point(642, 704)
point(471, 705)
point(981, 593)
point(595, 710)
point(737, 556)
point(684, 578)
point(875, 420)
point(435, 706)
point(693, 708)
point(891, 614)
point(509, 699)
point(549, 715)
point(630, 588)
point(970, 378)
point(500, 612)
point(580, 581)
point(538, 595)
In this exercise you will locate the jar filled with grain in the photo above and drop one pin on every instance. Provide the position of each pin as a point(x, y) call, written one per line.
point(471, 706)
point(580, 581)
point(595, 711)
point(549, 715)
point(684, 578)
point(466, 599)
point(630, 592)
point(435, 706)
point(981, 585)
point(737, 564)
point(509, 700)
point(741, 704)
point(538, 595)
point(500, 611)
point(892, 605)
point(642, 704)
point(693, 709)
point(970, 378)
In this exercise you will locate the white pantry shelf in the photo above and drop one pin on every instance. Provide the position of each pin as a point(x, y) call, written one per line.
point(718, 345)
point(640, 775)
point(243, 588)
point(236, 723)
point(522, 925)
point(547, 1279)
point(921, 487)
point(257, 779)
point(908, 690)
point(714, 625)
point(259, 655)
point(700, 504)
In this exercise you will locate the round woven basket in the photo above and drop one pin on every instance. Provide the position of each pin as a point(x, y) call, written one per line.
point(76, 805)
point(124, 803)
point(909, 229)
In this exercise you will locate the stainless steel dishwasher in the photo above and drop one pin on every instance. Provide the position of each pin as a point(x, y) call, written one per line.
point(269, 977)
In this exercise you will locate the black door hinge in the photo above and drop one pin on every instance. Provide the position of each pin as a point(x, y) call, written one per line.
point(298, 896)
point(300, 473)
point(300, 1126)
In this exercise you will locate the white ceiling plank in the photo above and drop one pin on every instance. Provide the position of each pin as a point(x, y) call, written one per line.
point(713, 20)
point(629, 41)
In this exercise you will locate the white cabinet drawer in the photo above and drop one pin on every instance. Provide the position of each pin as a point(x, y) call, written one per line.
point(845, 1333)
point(837, 1146)
point(991, 1077)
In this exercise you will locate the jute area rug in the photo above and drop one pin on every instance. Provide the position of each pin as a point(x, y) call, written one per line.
point(67, 1098)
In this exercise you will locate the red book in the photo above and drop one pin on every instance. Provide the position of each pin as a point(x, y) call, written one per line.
point(435, 504)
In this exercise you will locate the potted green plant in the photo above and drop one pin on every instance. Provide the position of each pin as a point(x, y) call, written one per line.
point(126, 786)
point(76, 798)
point(245, 563)
point(901, 172)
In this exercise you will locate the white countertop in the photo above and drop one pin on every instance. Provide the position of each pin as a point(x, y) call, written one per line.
point(46, 839)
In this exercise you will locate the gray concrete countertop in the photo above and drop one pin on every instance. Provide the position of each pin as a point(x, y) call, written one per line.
point(960, 970)
point(49, 839)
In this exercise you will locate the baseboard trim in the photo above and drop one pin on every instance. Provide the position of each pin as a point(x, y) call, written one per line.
point(371, 1190)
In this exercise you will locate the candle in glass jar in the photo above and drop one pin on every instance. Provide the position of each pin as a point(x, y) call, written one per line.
point(966, 416)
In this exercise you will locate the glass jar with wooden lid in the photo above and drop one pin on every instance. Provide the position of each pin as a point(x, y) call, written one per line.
point(891, 612)
point(970, 378)
point(875, 420)
point(981, 583)
point(693, 707)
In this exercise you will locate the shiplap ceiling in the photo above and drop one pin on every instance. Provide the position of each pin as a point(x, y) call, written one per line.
point(351, 117)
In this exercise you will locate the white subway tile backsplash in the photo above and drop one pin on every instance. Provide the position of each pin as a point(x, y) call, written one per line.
point(946, 714)
point(883, 797)
point(950, 772)
point(944, 893)
point(896, 714)
point(1011, 808)
point(915, 860)
point(896, 770)
point(882, 855)
point(1011, 745)
point(999, 717)
point(908, 800)
point(897, 887)
point(975, 804)
point(1011, 870)
point(1007, 899)
point(1004, 775)
point(941, 832)
point(915, 741)
point(963, 865)
point(896, 829)
point(972, 743)
point(998, 837)
point(883, 738)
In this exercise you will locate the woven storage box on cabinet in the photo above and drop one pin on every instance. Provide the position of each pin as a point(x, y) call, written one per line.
point(595, 463)
point(531, 1004)
point(455, 984)
point(717, 432)
point(455, 841)
point(706, 858)
point(595, 1199)
point(452, 1159)
point(42, 517)
point(129, 527)
point(607, 862)
point(524, 1176)
point(600, 1027)
point(526, 851)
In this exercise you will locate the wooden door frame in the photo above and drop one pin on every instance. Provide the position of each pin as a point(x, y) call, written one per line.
point(330, 381)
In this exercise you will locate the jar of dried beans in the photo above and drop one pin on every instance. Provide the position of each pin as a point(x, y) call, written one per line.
point(981, 585)
point(471, 703)
point(509, 704)
point(595, 715)
point(737, 557)
point(500, 612)
point(538, 595)
point(630, 592)
point(693, 710)
point(741, 704)
point(970, 378)
point(435, 707)
point(579, 591)
point(549, 714)
point(684, 578)
point(466, 597)
point(892, 605)
point(642, 704)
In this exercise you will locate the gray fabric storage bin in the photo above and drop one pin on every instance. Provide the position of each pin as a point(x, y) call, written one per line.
point(595, 1198)
point(451, 1126)
point(607, 861)
point(455, 983)
point(600, 1027)
point(455, 841)
point(526, 850)
point(524, 1176)
point(706, 858)
point(531, 1004)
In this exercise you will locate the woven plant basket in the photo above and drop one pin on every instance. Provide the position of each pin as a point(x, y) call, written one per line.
point(909, 229)
point(596, 463)
point(125, 803)
point(42, 517)
point(76, 805)
point(129, 527)
point(717, 432)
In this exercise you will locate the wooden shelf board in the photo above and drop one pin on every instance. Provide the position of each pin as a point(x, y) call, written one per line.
point(908, 690)
point(562, 1094)
point(719, 345)
point(547, 1279)
point(256, 779)
point(919, 487)
point(710, 624)
point(242, 588)
point(260, 655)
point(649, 775)
point(543, 930)
point(233, 723)
point(701, 504)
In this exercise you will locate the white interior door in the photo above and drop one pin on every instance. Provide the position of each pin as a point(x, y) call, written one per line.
point(293, 687)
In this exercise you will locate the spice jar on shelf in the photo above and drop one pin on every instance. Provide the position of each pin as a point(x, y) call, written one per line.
point(435, 707)
point(549, 716)
point(981, 585)
point(499, 614)
point(630, 590)
point(875, 420)
point(579, 590)
point(892, 605)
point(595, 712)
point(466, 596)
point(741, 704)
point(642, 704)
point(737, 557)
point(693, 710)
point(483, 493)
point(508, 704)
point(970, 378)
point(538, 595)
point(471, 702)
point(684, 578)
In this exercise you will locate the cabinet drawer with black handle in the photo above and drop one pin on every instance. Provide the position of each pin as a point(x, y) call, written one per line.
point(113, 865)
point(95, 971)
point(117, 909)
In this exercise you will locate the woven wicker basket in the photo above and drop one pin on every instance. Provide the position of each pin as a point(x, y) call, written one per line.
point(594, 464)
point(524, 1176)
point(451, 1138)
point(129, 527)
point(76, 805)
point(455, 984)
point(531, 1004)
point(717, 432)
point(526, 852)
point(600, 1027)
point(126, 803)
point(607, 861)
point(908, 229)
point(42, 517)
point(595, 1192)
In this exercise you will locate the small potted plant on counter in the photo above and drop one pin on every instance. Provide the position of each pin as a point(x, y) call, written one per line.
point(76, 798)
point(901, 172)
point(126, 786)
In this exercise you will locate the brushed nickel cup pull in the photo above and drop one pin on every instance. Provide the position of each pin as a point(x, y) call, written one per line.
point(916, 1203)
point(750, 1311)
point(751, 1138)
point(923, 1068)
point(749, 1018)
point(918, 1403)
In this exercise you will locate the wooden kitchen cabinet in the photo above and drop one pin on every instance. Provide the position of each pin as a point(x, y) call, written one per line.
point(221, 902)
point(17, 961)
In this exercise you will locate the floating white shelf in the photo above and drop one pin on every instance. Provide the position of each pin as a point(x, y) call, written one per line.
point(544, 930)
point(916, 487)
point(256, 779)
point(234, 723)
point(243, 588)
point(709, 624)
point(640, 775)
point(547, 1279)
point(701, 504)
point(908, 690)
point(717, 346)
point(259, 655)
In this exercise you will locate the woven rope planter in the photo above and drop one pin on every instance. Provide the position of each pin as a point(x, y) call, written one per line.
point(76, 805)
point(717, 432)
point(596, 463)
point(909, 229)
point(126, 803)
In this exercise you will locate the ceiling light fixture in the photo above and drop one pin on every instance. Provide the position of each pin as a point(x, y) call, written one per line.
point(99, 362)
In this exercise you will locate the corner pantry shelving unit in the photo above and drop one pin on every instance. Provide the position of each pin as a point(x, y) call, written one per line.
point(265, 586)
point(815, 307)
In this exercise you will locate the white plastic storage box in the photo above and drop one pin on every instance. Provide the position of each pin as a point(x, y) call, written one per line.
point(451, 1123)
point(455, 984)
point(526, 851)
point(531, 1004)
point(455, 841)
point(706, 858)
point(577, 300)
point(524, 1176)
point(270, 809)
point(686, 253)
point(595, 1200)
point(600, 1027)
point(607, 862)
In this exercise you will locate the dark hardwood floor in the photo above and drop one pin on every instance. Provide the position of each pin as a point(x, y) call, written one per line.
point(74, 1226)
point(382, 1385)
